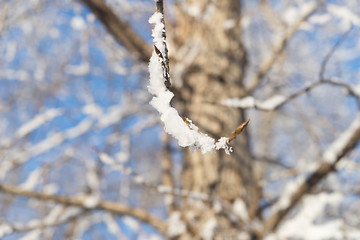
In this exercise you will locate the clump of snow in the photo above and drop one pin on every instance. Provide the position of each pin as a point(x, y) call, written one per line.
point(5, 229)
point(208, 229)
point(186, 133)
point(176, 226)
point(239, 208)
point(246, 102)
point(32, 180)
point(37, 121)
point(272, 102)
point(337, 147)
point(131, 223)
point(290, 188)
point(249, 102)
point(344, 14)
point(293, 13)
point(77, 23)
point(313, 208)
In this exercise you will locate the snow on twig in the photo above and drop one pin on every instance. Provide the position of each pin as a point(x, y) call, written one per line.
point(186, 133)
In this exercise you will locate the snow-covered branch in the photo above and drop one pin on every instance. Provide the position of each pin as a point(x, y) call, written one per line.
point(182, 129)
point(111, 207)
point(277, 101)
point(295, 190)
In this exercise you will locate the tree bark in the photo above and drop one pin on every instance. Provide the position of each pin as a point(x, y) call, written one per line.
point(215, 74)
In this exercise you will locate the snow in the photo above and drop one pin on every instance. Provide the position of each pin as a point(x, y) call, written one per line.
point(175, 225)
point(77, 23)
point(91, 201)
point(131, 223)
point(32, 180)
point(293, 13)
point(249, 102)
point(78, 70)
point(92, 110)
point(186, 133)
point(272, 103)
point(5, 229)
point(228, 24)
point(37, 121)
point(344, 13)
point(313, 208)
point(246, 102)
point(239, 208)
point(290, 189)
point(79, 129)
point(54, 214)
point(111, 225)
point(207, 232)
point(32, 235)
point(335, 150)
point(320, 19)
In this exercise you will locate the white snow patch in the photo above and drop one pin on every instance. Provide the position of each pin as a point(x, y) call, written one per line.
point(313, 207)
point(176, 225)
point(228, 24)
point(77, 23)
point(92, 110)
point(207, 232)
point(131, 223)
point(32, 180)
point(271, 103)
point(334, 151)
point(239, 208)
point(32, 235)
point(91, 201)
point(290, 189)
point(5, 229)
point(344, 13)
point(37, 121)
point(246, 102)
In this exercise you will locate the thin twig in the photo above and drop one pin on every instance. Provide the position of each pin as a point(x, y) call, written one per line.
point(332, 51)
point(266, 66)
point(165, 57)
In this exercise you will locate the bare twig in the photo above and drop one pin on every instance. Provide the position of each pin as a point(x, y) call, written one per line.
point(112, 207)
point(266, 66)
point(332, 51)
point(238, 130)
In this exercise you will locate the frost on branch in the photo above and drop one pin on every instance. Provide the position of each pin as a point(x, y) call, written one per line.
point(187, 134)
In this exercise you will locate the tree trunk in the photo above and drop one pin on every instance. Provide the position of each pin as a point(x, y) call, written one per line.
point(215, 75)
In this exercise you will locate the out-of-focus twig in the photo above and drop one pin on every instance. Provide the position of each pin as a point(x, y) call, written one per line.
point(269, 62)
point(112, 207)
point(332, 51)
point(121, 30)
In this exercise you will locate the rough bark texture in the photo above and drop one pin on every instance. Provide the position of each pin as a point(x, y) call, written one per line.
point(215, 74)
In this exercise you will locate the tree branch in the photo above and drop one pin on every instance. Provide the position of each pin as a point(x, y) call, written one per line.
point(266, 66)
point(113, 207)
point(337, 150)
point(120, 30)
point(332, 51)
